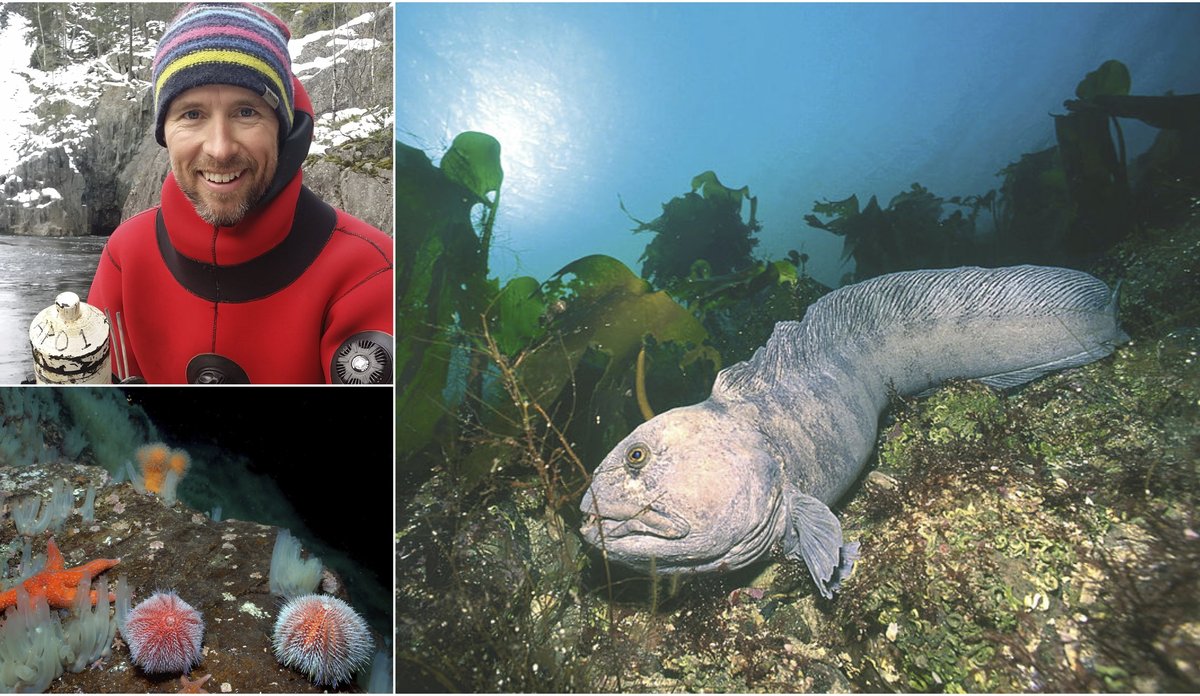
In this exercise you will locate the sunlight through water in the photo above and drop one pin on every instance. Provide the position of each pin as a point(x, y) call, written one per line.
point(599, 104)
point(539, 96)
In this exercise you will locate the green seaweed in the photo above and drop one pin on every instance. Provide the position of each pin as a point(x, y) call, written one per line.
point(473, 160)
point(712, 189)
point(910, 233)
point(740, 310)
point(440, 276)
point(582, 363)
point(1111, 78)
point(516, 315)
point(700, 255)
point(705, 226)
point(1034, 209)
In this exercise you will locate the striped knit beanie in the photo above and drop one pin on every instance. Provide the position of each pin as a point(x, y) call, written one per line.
point(229, 44)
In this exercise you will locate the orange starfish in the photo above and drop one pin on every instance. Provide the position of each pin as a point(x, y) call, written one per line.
point(187, 686)
point(57, 583)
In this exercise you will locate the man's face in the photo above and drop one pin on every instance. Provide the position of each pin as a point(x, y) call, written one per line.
point(223, 142)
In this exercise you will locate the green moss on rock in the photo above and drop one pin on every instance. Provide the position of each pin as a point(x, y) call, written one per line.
point(1023, 532)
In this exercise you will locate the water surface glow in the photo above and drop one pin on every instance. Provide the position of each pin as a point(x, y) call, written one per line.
point(530, 81)
point(802, 102)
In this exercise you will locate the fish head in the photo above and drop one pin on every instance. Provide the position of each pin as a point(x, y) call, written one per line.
point(691, 490)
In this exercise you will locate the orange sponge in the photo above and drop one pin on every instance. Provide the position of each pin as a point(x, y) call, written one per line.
point(178, 462)
point(153, 460)
point(156, 459)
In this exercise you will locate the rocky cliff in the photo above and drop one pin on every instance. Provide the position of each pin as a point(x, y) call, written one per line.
point(43, 197)
point(90, 159)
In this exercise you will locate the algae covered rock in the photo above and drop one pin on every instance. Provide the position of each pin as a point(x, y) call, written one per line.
point(1030, 538)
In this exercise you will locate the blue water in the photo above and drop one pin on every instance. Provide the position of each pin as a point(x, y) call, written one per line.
point(799, 102)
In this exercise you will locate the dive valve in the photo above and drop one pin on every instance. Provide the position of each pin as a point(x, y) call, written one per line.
point(70, 343)
point(364, 358)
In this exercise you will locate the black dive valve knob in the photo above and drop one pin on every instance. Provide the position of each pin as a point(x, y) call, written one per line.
point(210, 368)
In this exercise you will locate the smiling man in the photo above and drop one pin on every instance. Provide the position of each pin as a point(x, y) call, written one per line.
point(222, 141)
point(241, 274)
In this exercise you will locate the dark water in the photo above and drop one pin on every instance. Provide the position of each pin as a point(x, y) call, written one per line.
point(33, 271)
point(327, 453)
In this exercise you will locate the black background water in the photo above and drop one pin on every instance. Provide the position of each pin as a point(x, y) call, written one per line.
point(33, 271)
point(329, 451)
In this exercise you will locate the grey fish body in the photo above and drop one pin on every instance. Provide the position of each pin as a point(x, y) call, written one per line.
point(784, 434)
point(911, 332)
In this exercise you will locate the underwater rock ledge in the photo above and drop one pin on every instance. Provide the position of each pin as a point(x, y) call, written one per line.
point(220, 568)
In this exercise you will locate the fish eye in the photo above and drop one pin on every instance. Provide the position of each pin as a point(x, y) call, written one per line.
point(637, 457)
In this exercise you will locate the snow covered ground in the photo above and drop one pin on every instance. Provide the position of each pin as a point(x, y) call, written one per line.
point(333, 129)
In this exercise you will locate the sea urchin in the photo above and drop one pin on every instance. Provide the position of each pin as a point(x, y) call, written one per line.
point(164, 634)
point(323, 637)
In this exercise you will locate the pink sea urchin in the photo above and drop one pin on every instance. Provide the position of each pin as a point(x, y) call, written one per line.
point(323, 637)
point(164, 634)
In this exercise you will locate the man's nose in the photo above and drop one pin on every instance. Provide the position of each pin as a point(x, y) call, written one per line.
point(220, 144)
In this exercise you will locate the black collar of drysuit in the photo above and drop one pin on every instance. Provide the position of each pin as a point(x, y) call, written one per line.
point(263, 275)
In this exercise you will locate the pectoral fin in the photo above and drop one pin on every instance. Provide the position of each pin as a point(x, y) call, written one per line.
point(815, 535)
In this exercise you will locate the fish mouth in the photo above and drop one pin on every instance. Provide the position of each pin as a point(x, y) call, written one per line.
point(645, 522)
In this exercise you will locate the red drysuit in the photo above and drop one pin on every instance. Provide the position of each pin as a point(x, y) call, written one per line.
point(279, 294)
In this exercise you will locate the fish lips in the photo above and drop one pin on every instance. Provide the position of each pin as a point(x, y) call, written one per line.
point(626, 520)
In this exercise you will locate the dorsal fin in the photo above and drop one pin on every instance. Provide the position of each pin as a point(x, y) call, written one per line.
point(782, 352)
point(880, 306)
